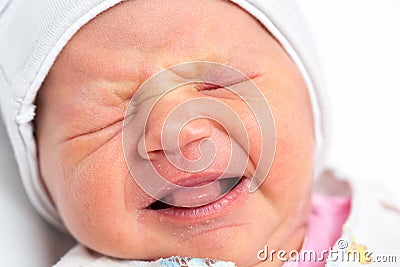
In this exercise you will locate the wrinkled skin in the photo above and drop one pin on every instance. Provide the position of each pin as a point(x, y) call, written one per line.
point(79, 131)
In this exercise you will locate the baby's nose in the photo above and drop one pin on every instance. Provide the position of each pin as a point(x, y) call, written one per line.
point(160, 136)
point(195, 130)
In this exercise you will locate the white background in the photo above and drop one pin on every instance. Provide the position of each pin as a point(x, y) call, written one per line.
point(359, 43)
point(359, 47)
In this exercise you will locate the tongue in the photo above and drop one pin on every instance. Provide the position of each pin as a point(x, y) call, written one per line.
point(195, 196)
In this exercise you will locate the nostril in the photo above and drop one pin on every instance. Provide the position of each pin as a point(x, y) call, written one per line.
point(147, 150)
point(150, 143)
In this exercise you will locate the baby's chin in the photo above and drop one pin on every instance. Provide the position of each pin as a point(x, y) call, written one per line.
point(234, 232)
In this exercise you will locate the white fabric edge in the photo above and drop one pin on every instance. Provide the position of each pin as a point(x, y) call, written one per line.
point(32, 182)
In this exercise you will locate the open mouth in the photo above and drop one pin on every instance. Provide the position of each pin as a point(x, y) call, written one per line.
point(223, 192)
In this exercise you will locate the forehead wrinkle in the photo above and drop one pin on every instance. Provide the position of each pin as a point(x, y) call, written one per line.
point(135, 53)
point(139, 29)
point(156, 25)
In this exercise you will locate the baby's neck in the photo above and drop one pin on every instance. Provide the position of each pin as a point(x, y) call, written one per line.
point(294, 243)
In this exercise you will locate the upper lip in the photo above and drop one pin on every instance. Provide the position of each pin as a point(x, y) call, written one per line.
point(194, 180)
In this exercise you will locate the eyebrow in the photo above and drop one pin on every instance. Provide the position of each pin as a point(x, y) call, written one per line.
point(114, 93)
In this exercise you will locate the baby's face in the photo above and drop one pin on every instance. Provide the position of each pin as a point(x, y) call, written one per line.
point(79, 124)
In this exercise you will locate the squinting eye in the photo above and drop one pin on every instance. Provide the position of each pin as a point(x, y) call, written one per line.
point(207, 86)
point(216, 90)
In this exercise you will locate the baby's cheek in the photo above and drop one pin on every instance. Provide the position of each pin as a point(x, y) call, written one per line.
point(92, 200)
point(289, 182)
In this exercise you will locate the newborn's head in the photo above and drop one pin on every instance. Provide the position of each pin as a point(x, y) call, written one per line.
point(79, 130)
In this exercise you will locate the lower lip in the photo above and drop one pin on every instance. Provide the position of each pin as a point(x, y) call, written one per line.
point(213, 209)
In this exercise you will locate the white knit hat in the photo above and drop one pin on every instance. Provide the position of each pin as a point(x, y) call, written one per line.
point(32, 34)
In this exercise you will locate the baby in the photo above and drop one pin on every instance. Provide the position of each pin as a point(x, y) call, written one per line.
point(103, 114)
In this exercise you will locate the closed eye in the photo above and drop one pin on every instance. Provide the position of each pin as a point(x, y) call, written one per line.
point(218, 90)
point(225, 89)
point(111, 128)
